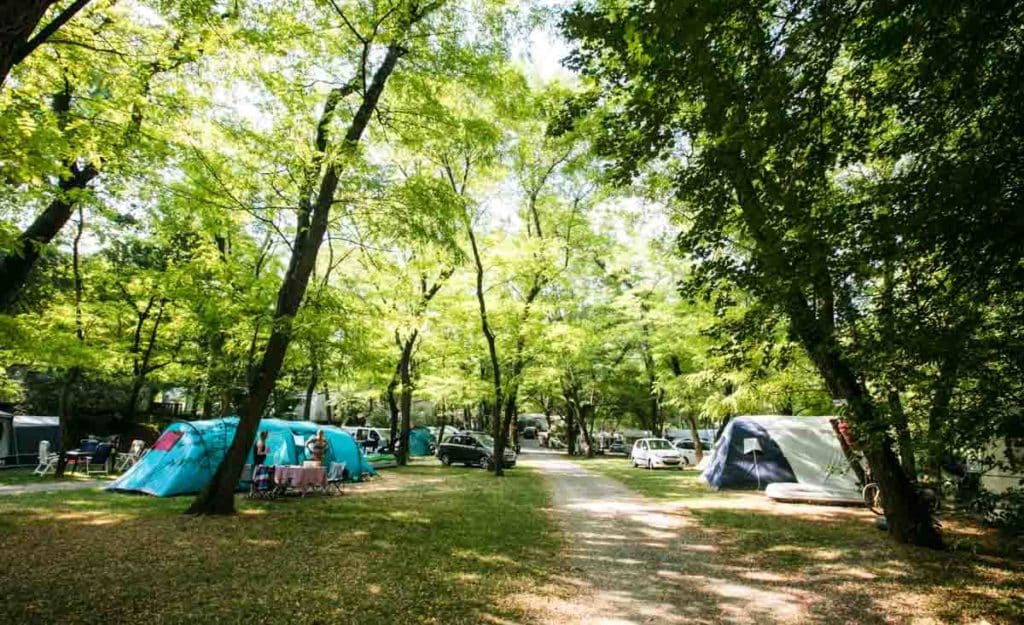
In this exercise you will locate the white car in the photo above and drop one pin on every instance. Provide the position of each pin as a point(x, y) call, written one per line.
point(655, 452)
point(687, 451)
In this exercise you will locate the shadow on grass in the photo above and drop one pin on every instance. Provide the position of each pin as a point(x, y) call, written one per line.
point(450, 546)
point(690, 556)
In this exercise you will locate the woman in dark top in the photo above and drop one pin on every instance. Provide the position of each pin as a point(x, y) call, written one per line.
point(259, 455)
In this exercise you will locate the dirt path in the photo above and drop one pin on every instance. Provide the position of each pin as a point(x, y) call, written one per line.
point(637, 561)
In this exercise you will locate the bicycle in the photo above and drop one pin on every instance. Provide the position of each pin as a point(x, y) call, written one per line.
point(872, 495)
point(873, 498)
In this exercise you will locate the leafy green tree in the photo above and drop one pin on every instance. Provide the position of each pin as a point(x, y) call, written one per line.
point(377, 38)
point(772, 120)
point(83, 105)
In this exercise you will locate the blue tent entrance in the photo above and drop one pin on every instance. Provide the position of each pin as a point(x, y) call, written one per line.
point(185, 457)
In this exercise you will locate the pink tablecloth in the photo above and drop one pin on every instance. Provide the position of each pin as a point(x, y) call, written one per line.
point(300, 476)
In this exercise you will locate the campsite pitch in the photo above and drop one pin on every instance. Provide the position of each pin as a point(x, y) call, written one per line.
point(422, 545)
point(555, 542)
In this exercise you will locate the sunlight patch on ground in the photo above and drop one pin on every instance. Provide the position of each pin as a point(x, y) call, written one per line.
point(493, 558)
point(745, 601)
point(87, 518)
point(699, 548)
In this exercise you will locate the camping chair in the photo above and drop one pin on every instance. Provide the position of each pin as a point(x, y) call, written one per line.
point(336, 477)
point(127, 460)
point(100, 456)
point(47, 460)
point(262, 485)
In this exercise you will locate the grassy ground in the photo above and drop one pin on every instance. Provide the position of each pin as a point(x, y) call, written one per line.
point(657, 484)
point(423, 545)
point(22, 476)
point(836, 559)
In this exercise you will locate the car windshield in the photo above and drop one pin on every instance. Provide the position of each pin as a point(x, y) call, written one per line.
point(659, 443)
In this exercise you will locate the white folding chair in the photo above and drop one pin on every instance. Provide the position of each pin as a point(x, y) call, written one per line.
point(47, 460)
point(336, 476)
point(127, 460)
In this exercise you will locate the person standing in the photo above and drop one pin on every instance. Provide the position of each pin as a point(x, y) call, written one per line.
point(317, 447)
point(259, 454)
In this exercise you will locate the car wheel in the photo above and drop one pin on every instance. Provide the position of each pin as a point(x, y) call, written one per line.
point(485, 463)
point(445, 460)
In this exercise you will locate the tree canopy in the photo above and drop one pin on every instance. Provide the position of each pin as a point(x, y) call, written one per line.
point(722, 208)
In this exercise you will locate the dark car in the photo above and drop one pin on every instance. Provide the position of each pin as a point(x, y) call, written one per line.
point(617, 447)
point(472, 449)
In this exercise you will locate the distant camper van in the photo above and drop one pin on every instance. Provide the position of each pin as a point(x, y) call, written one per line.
point(371, 439)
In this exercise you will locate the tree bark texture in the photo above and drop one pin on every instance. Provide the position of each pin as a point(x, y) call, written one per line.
point(218, 496)
point(15, 267)
point(492, 349)
point(405, 396)
point(907, 514)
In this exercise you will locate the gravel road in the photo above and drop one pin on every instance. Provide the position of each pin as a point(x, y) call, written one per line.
point(636, 561)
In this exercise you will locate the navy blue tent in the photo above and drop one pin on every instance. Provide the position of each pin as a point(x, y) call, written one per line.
point(754, 452)
point(736, 466)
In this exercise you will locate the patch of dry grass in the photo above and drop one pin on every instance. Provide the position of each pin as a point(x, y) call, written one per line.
point(424, 545)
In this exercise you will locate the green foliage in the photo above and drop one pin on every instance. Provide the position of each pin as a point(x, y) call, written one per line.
point(832, 166)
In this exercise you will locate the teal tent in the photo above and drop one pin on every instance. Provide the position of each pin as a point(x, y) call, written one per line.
point(185, 457)
point(420, 441)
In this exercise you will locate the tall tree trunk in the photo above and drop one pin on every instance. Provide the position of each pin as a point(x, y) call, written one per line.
point(492, 349)
point(698, 449)
point(405, 397)
point(571, 419)
point(405, 405)
point(307, 410)
point(67, 390)
point(501, 441)
point(440, 431)
point(65, 402)
point(938, 412)
point(907, 513)
point(227, 401)
point(327, 404)
point(393, 412)
point(16, 266)
point(143, 366)
point(586, 410)
point(904, 441)
point(218, 496)
point(21, 19)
